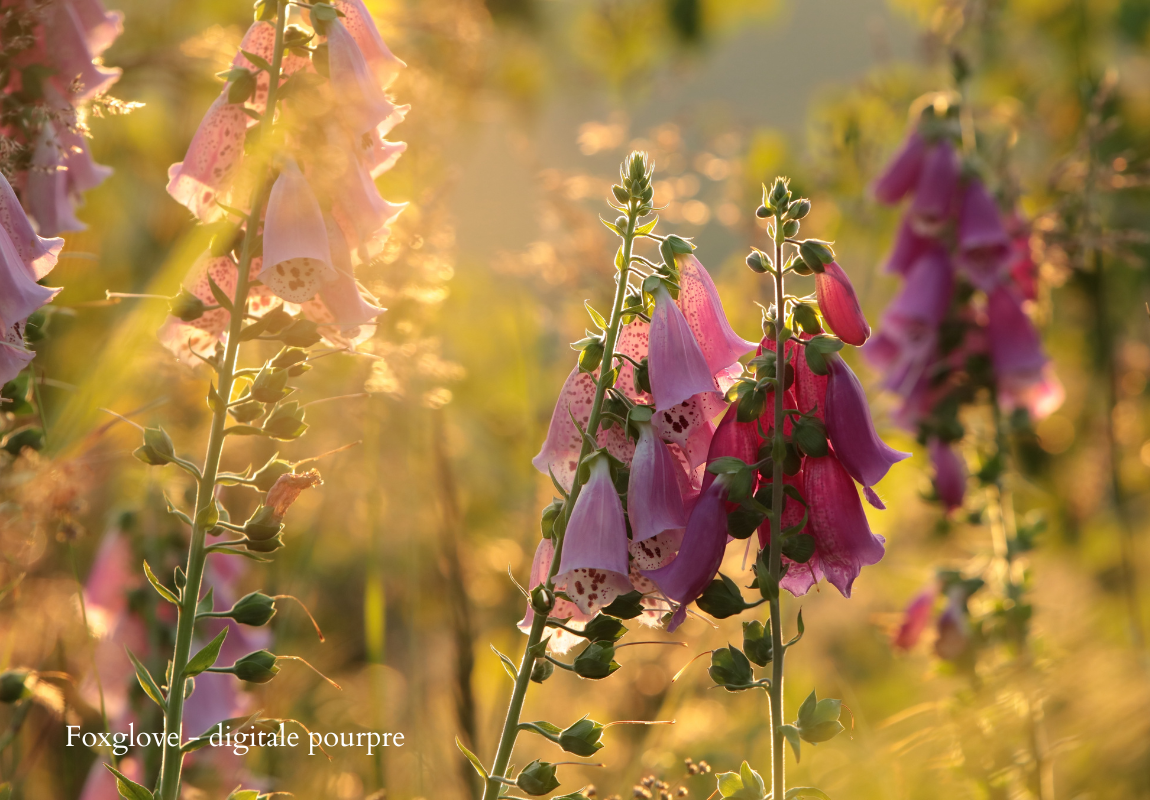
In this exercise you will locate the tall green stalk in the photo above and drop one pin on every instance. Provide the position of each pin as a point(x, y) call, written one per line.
point(523, 676)
point(173, 760)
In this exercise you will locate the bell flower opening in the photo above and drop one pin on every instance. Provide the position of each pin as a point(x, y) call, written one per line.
point(297, 254)
point(840, 305)
point(865, 456)
point(677, 367)
point(654, 496)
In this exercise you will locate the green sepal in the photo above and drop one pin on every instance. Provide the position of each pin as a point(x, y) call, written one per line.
point(207, 655)
point(731, 669)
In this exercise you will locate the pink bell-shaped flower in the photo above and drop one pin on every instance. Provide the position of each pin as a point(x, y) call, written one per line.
point(342, 296)
point(915, 619)
point(14, 356)
point(949, 473)
point(654, 495)
point(561, 641)
point(593, 567)
point(908, 248)
point(840, 305)
point(46, 188)
point(983, 246)
point(70, 55)
point(38, 254)
point(384, 64)
point(357, 197)
point(383, 154)
point(934, 195)
point(686, 578)
point(677, 367)
point(800, 577)
point(842, 534)
point(733, 439)
point(20, 295)
point(865, 456)
point(212, 161)
point(703, 309)
point(953, 630)
point(362, 103)
point(101, 27)
point(810, 389)
point(1021, 368)
point(902, 173)
point(82, 173)
point(297, 254)
point(560, 451)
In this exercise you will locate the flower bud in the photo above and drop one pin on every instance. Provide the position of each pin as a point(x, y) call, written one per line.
point(286, 422)
point(257, 667)
point(157, 449)
point(542, 601)
point(270, 472)
point(262, 525)
point(596, 661)
point(264, 545)
point(538, 778)
point(621, 193)
point(642, 377)
point(807, 318)
point(592, 355)
point(288, 357)
point(582, 738)
point(757, 262)
point(791, 228)
point(799, 209)
point(550, 514)
point(815, 254)
point(253, 609)
point(13, 685)
point(247, 412)
point(542, 670)
point(270, 385)
point(780, 193)
point(186, 306)
point(757, 643)
point(762, 212)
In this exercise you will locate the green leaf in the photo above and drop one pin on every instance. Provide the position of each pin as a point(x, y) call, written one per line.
point(757, 642)
point(746, 784)
point(5, 791)
point(647, 227)
point(625, 606)
point(127, 787)
point(258, 60)
point(799, 548)
point(611, 226)
point(802, 629)
point(729, 783)
point(543, 728)
point(791, 734)
point(815, 361)
point(723, 599)
point(726, 465)
point(208, 516)
point(596, 317)
point(221, 296)
point(474, 759)
point(244, 794)
point(604, 629)
point(245, 430)
point(206, 657)
point(806, 791)
point(147, 682)
point(807, 710)
point(159, 587)
point(508, 664)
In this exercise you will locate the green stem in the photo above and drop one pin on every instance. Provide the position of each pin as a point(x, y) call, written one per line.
point(523, 676)
point(775, 562)
point(173, 760)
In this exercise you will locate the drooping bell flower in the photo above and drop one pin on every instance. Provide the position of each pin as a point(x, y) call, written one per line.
point(362, 103)
point(383, 155)
point(901, 174)
point(733, 439)
point(82, 173)
point(38, 254)
point(915, 619)
point(949, 473)
point(101, 27)
point(384, 64)
point(287, 489)
point(14, 356)
point(677, 367)
point(934, 194)
point(810, 389)
point(20, 295)
point(1021, 367)
point(212, 161)
point(70, 55)
point(593, 567)
point(686, 578)
point(561, 641)
point(260, 40)
point(654, 496)
point(799, 577)
point(297, 254)
point(908, 247)
point(46, 188)
point(1022, 267)
point(840, 305)
point(361, 204)
point(703, 309)
point(983, 246)
point(343, 296)
point(865, 456)
point(842, 534)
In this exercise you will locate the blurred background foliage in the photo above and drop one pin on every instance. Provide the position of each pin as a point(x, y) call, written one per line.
point(521, 110)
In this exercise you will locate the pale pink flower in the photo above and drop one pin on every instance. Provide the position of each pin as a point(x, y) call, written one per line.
point(212, 161)
point(654, 493)
point(677, 367)
point(297, 254)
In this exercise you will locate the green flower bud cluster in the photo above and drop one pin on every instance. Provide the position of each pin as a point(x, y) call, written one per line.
point(634, 190)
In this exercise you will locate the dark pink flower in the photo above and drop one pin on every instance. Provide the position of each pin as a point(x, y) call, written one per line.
point(1023, 269)
point(842, 534)
point(953, 630)
point(362, 102)
point(38, 254)
point(686, 578)
point(901, 174)
point(915, 620)
point(677, 367)
point(949, 473)
point(593, 567)
point(810, 389)
point(654, 493)
point(800, 577)
point(840, 305)
point(212, 161)
point(1021, 367)
point(703, 310)
point(865, 456)
point(983, 246)
point(908, 247)
point(297, 254)
point(934, 195)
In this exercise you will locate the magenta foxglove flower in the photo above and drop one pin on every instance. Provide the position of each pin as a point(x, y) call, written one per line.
point(800, 577)
point(733, 439)
point(949, 473)
point(14, 356)
point(810, 389)
point(46, 189)
point(934, 195)
point(593, 567)
point(38, 254)
point(560, 451)
point(901, 174)
point(363, 105)
point(677, 367)
point(561, 641)
point(908, 248)
point(840, 305)
point(915, 620)
point(101, 27)
point(953, 630)
point(654, 494)
point(703, 309)
point(686, 578)
point(20, 295)
point(865, 456)
point(212, 161)
point(343, 296)
point(297, 254)
point(384, 64)
point(71, 56)
point(842, 534)
point(1021, 368)
point(983, 246)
